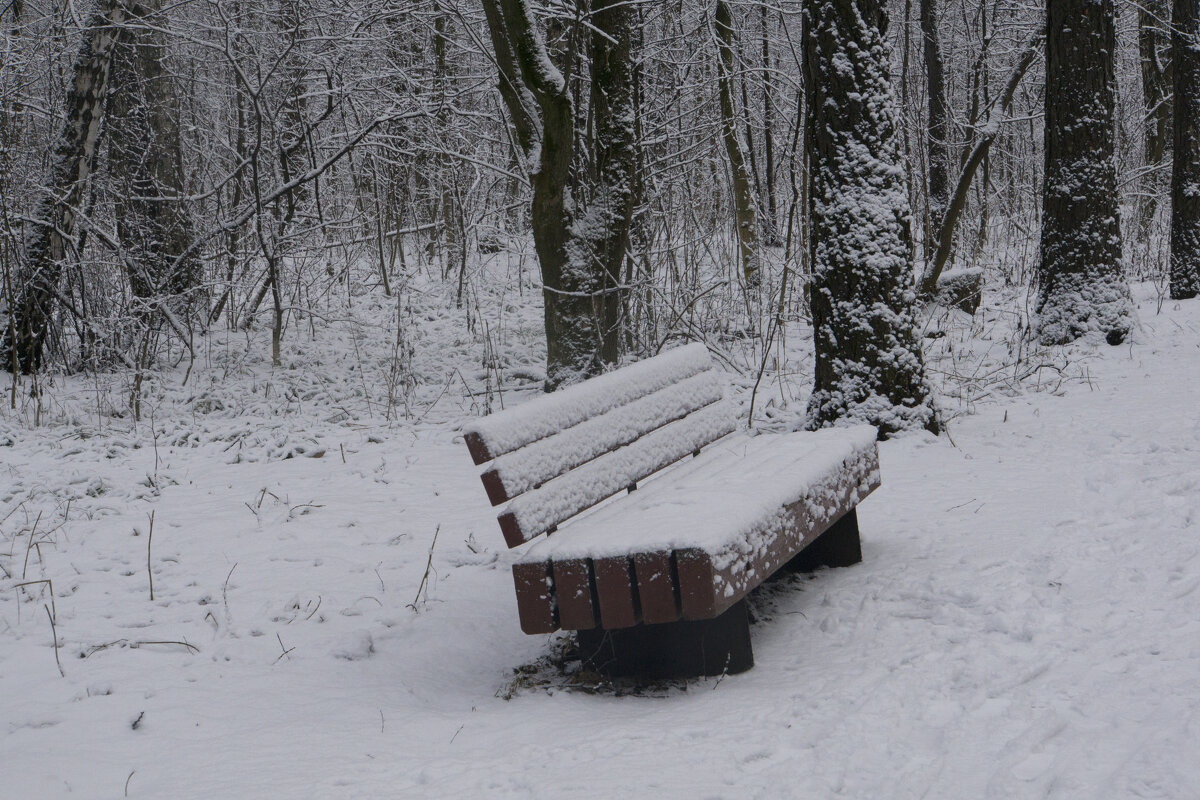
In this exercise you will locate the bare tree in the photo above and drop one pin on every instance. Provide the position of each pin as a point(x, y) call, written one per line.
point(868, 360)
point(744, 201)
point(50, 242)
point(580, 216)
point(939, 125)
point(1081, 280)
point(1152, 46)
point(1185, 174)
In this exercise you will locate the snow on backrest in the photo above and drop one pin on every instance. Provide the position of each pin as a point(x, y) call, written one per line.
point(537, 511)
point(508, 430)
point(532, 465)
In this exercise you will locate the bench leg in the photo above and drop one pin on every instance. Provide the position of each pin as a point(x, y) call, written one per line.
point(685, 649)
point(838, 546)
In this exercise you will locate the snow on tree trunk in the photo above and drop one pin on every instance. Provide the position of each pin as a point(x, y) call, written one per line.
point(581, 217)
point(600, 232)
point(868, 361)
point(1185, 175)
point(72, 162)
point(153, 225)
point(1081, 281)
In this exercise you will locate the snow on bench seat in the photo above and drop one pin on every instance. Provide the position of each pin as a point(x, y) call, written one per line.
point(694, 541)
point(501, 433)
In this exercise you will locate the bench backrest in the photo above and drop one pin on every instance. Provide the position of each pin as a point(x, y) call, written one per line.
point(560, 454)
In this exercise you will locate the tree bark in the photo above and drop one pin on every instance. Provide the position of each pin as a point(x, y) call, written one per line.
point(939, 125)
point(580, 217)
point(744, 203)
point(1081, 280)
point(1185, 174)
point(153, 225)
point(868, 361)
point(1152, 21)
point(986, 135)
point(73, 160)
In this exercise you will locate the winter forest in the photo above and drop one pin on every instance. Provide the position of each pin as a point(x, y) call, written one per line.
point(691, 279)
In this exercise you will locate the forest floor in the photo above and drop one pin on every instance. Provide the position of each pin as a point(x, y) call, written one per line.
point(331, 611)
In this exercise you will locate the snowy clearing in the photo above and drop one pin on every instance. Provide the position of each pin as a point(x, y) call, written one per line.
point(1026, 621)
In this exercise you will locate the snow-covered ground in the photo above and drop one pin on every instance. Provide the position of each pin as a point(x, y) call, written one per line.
point(1026, 622)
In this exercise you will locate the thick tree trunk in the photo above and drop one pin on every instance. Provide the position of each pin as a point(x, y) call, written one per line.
point(939, 125)
point(868, 361)
point(744, 203)
point(1185, 174)
point(73, 160)
point(602, 234)
point(1081, 279)
point(153, 225)
point(1152, 22)
point(580, 248)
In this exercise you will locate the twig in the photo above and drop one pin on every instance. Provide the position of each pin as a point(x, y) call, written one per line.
point(283, 647)
point(54, 633)
point(46, 581)
point(225, 595)
point(127, 781)
point(149, 573)
point(428, 567)
point(310, 614)
point(29, 546)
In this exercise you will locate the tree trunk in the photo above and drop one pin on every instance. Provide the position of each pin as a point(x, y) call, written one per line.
point(986, 134)
point(868, 362)
point(1081, 281)
point(602, 239)
point(1152, 20)
point(939, 125)
point(771, 224)
point(1185, 174)
point(153, 226)
point(73, 159)
point(744, 204)
point(580, 248)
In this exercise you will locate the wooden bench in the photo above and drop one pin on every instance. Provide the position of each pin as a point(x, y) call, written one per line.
point(654, 580)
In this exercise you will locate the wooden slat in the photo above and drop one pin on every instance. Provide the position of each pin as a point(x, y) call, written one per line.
point(657, 591)
point(501, 433)
point(617, 592)
point(573, 592)
point(534, 512)
point(697, 596)
point(535, 597)
point(531, 466)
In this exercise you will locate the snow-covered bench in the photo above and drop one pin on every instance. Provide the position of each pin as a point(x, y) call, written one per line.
point(654, 580)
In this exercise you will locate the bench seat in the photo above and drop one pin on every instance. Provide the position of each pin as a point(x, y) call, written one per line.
point(693, 541)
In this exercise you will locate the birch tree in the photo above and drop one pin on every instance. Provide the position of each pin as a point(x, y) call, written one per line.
point(50, 241)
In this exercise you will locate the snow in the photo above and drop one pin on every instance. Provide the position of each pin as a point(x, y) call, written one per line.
point(547, 458)
point(1025, 622)
point(513, 428)
point(736, 487)
point(587, 485)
